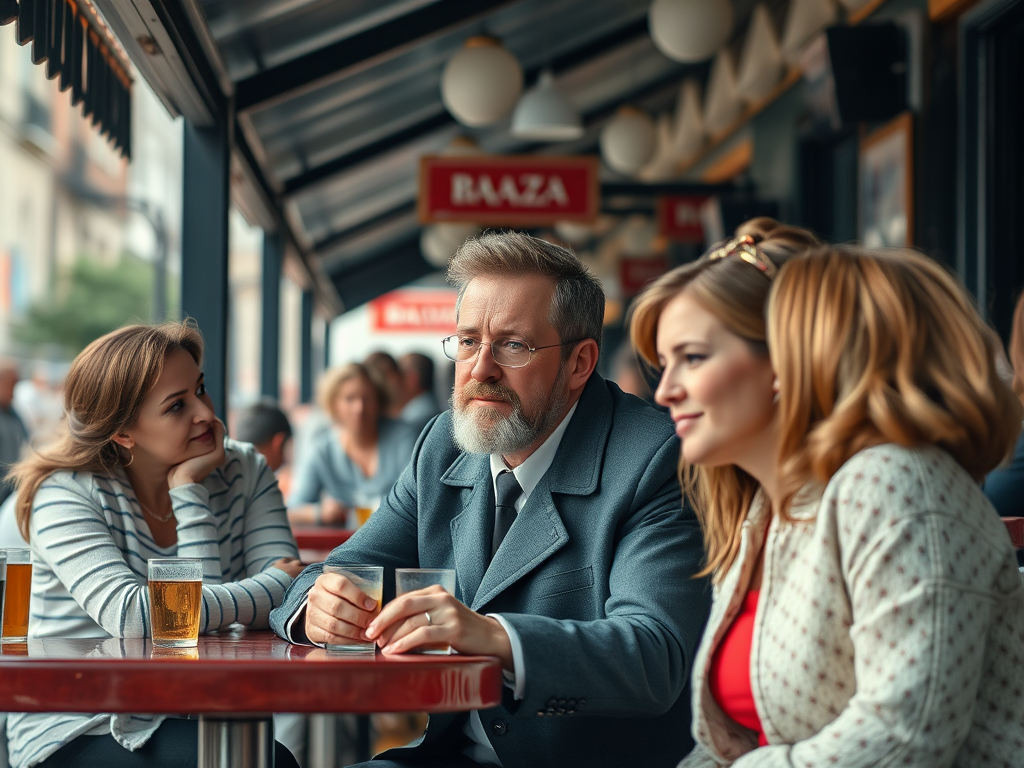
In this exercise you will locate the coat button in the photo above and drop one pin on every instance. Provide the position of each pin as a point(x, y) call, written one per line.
point(551, 702)
point(499, 727)
point(581, 704)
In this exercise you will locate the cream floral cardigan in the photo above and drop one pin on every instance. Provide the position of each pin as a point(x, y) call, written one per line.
point(889, 630)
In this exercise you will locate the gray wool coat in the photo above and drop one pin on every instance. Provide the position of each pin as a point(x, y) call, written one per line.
point(595, 575)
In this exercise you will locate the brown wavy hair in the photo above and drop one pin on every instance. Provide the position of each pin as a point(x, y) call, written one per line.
point(735, 292)
point(882, 346)
point(103, 394)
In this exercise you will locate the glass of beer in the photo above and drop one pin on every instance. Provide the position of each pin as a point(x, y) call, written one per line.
point(413, 579)
point(17, 594)
point(370, 579)
point(364, 507)
point(175, 601)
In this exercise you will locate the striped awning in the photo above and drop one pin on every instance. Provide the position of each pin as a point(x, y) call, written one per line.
point(79, 51)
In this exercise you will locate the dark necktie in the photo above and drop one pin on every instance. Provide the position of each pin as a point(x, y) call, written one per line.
point(507, 492)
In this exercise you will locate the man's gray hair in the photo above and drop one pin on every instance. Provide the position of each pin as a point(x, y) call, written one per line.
point(577, 309)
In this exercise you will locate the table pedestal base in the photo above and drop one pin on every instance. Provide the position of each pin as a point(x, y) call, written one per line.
point(240, 742)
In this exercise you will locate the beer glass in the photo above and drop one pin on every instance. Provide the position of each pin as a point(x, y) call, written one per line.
point(369, 579)
point(17, 594)
point(175, 601)
point(413, 579)
point(364, 507)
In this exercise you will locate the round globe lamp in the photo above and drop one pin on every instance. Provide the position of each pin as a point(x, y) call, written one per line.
point(481, 83)
point(690, 30)
point(628, 141)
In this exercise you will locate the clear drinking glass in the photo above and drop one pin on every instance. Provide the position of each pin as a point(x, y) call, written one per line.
point(175, 601)
point(370, 579)
point(17, 594)
point(413, 579)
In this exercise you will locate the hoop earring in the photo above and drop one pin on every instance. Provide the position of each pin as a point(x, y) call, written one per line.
point(130, 459)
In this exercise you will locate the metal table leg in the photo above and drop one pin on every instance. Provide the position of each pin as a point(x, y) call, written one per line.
point(236, 742)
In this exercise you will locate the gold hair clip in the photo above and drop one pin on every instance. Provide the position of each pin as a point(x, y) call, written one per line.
point(743, 246)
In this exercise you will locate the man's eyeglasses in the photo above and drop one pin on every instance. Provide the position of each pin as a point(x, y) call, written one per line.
point(508, 353)
point(744, 248)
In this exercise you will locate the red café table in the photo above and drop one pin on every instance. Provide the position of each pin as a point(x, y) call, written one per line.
point(233, 681)
point(315, 543)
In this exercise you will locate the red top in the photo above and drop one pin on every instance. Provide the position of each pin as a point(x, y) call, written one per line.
point(730, 670)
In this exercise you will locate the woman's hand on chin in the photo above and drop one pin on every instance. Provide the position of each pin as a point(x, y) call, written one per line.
point(196, 469)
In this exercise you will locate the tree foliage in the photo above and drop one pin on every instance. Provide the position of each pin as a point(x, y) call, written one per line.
point(90, 299)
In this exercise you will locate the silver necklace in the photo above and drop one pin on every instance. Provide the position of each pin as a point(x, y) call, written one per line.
point(155, 516)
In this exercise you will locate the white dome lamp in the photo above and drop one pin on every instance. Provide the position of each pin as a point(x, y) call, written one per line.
point(544, 114)
point(628, 141)
point(481, 83)
point(690, 30)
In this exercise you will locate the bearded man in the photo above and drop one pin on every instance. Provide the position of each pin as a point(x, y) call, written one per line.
point(554, 497)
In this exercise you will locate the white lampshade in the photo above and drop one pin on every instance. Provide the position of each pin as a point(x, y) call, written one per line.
point(761, 63)
point(481, 83)
point(438, 242)
point(628, 141)
point(544, 114)
point(690, 30)
point(690, 133)
point(805, 19)
point(723, 106)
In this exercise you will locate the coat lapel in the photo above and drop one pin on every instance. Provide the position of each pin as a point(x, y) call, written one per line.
point(471, 528)
point(536, 534)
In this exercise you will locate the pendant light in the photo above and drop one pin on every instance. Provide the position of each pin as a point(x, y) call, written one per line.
point(481, 83)
point(544, 114)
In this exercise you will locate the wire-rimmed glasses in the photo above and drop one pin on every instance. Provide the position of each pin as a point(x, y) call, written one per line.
point(507, 352)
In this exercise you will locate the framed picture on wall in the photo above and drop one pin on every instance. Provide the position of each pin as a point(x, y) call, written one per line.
point(886, 195)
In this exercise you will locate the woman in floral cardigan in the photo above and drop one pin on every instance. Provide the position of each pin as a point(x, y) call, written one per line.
point(868, 609)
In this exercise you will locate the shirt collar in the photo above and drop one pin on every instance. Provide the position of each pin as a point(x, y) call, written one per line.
point(530, 472)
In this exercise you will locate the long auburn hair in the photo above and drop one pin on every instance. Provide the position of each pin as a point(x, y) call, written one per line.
point(882, 346)
point(103, 394)
point(735, 292)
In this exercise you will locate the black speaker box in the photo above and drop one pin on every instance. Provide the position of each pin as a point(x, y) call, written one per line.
point(869, 68)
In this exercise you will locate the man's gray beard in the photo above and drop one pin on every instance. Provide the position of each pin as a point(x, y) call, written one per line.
point(478, 433)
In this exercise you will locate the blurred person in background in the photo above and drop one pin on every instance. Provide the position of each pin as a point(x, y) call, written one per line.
point(266, 426)
point(353, 465)
point(142, 469)
point(385, 368)
point(420, 403)
point(13, 435)
point(38, 402)
point(1004, 486)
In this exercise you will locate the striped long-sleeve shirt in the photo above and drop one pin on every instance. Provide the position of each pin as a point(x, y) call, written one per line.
point(90, 542)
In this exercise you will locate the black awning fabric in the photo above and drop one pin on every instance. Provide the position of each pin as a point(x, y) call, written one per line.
point(67, 36)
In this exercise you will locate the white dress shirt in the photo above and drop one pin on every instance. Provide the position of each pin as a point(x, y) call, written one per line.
point(528, 474)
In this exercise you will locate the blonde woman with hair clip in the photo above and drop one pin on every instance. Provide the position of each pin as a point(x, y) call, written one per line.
point(888, 613)
point(142, 470)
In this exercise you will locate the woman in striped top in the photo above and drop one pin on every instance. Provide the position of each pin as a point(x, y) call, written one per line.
point(142, 470)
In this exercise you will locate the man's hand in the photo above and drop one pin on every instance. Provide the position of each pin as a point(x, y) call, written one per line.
point(196, 469)
point(337, 611)
point(402, 626)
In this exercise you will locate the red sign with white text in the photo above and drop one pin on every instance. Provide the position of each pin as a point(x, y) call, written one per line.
point(414, 312)
point(635, 273)
point(526, 190)
point(679, 218)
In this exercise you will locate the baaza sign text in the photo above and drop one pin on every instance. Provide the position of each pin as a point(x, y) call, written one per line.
point(508, 190)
